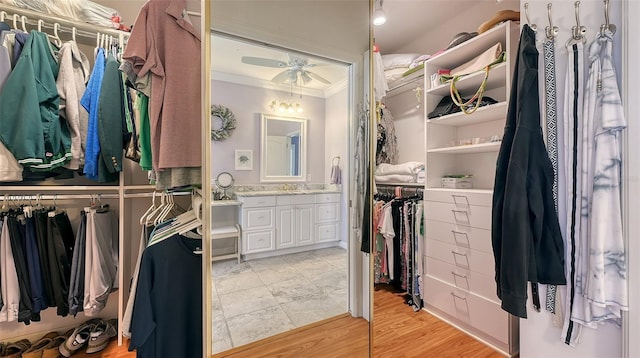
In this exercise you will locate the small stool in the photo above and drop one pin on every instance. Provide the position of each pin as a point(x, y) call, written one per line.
point(226, 232)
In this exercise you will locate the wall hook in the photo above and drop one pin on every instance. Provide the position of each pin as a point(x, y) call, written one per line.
point(579, 31)
point(607, 25)
point(533, 27)
point(551, 31)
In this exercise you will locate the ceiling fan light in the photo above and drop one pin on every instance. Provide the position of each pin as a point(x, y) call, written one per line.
point(305, 78)
point(379, 17)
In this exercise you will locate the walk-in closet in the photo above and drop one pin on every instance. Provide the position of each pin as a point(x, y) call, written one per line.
point(440, 129)
point(86, 179)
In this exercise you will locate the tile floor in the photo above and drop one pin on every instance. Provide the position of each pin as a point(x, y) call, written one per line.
point(260, 298)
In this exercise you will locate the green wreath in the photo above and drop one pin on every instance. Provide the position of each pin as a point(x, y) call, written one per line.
point(228, 122)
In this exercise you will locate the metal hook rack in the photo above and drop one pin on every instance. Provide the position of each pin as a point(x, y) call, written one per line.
point(578, 31)
point(533, 27)
point(607, 25)
point(551, 31)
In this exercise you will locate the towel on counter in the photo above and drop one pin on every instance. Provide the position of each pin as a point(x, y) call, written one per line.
point(408, 168)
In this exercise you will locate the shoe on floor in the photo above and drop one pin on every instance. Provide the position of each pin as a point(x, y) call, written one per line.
point(15, 349)
point(35, 351)
point(78, 339)
point(101, 334)
point(51, 350)
point(2, 347)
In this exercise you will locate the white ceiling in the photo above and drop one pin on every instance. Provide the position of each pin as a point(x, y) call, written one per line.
point(226, 65)
point(426, 26)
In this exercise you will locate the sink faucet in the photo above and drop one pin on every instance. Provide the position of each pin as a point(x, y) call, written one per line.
point(288, 186)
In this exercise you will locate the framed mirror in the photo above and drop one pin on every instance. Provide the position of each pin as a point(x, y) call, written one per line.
point(283, 148)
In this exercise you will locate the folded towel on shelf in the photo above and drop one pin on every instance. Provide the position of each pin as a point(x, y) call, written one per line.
point(395, 178)
point(421, 174)
point(408, 168)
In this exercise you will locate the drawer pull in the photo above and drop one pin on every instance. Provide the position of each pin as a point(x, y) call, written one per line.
point(459, 275)
point(461, 233)
point(458, 296)
point(458, 254)
point(460, 202)
point(456, 212)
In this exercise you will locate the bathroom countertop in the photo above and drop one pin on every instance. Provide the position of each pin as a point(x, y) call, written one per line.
point(286, 192)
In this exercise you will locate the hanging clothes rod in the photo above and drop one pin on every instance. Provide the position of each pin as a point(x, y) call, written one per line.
point(36, 197)
point(66, 25)
point(408, 82)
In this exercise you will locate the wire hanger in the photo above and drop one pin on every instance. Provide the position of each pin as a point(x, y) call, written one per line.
point(607, 25)
point(578, 31)
point(551, 31)
point(533, 27)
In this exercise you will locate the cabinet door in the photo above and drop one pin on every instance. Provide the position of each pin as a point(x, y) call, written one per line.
point(328, 212)
point(285, 235)
point(304, 224)
point(257, 218)
point(257, 241)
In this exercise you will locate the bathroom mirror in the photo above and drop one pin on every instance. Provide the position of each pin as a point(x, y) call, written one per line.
point(283, 153)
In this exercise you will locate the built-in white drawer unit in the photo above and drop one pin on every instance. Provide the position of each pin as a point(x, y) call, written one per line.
point(328, 198)
point(327, 212)
point(460, 197)
point(459, 235)
point(471, 309)
point(464, 258)
point(465, 279)
point(257, 201)
point(474, 216)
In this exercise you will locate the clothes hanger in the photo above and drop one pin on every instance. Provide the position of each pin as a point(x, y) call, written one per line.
point(3, 15)
point(23, 20)
point(143, 218)
point(73, 33)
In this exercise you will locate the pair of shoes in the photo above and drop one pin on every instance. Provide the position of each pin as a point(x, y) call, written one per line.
point(94, 333)
point(101, 334)
point(15, 349)
point(51, 350)
point(36, 350)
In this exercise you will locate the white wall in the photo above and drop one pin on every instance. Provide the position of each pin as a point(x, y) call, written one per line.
point(246, 103)
point(538, 337)
point(337, 145)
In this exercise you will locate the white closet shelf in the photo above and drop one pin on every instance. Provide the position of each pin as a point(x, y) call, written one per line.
point(412, 185)
point(466, 149)
point(469, 84)
point(489, 113)
point(467, 191)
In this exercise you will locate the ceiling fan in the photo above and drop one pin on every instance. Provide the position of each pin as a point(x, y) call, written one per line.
point(295, 69)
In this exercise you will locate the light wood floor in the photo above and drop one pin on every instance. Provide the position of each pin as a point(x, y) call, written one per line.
point(398, 332)
point(401, 332)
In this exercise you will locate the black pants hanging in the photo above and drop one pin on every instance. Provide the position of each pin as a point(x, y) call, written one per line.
point(58, 234)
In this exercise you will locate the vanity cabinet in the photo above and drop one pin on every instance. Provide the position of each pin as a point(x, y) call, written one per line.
point(285, 223)
point(258, 224)
point(327, 217)
point(294, 225)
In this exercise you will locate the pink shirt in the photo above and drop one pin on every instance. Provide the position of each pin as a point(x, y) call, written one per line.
point(166, 45)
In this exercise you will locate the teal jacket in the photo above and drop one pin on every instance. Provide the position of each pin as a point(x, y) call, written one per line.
point(30, 125)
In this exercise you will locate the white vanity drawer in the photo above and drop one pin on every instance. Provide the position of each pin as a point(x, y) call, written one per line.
point(477, 283)
point(295, 199)
point(484, 315)
point(257, 201)
point(474, 216)
point(464, 258)
point(327, 212)
point(459, 235)
point(258, 218)
point(327, 232)
point(460, 197)
point(328, 198)
point(258, 241)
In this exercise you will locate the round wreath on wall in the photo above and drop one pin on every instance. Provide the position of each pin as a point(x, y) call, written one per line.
point(223, 122)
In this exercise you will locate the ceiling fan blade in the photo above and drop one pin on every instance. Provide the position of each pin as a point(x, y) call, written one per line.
point(259, 61)
point(281, 77)
point(318, 77)
point(305, 77)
